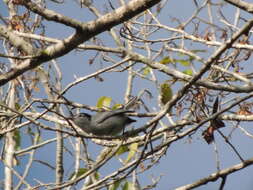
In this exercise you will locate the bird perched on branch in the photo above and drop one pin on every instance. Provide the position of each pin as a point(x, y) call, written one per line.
point(106, 123)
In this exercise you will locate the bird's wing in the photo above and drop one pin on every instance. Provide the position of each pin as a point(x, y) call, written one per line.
point(101, 117)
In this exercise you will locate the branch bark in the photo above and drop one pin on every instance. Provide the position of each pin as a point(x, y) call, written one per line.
point(84, 33)
point(217, 175)
point(242, 5)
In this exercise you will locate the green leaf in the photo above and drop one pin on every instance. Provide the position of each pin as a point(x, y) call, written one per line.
point(104, 101)
point(191, 58)
point(97, 176)
point(122, 149)
point(77, 174)
point(115, 186)
point(132, 150)
point(198, 51)
point(17, 139)
point(116, 106)
point(166, 93)
point(17, 106)
point(188, 72)
point(128, 186)
point(185, 63)
point(146, 71)
point(166, 60)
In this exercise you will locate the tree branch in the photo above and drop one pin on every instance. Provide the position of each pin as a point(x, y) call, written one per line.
point(17, 41)
point(242, 5)
point(217, 175)
point(52, 15)
point(86, 32)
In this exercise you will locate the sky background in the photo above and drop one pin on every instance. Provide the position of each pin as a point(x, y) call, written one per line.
point(186, 161)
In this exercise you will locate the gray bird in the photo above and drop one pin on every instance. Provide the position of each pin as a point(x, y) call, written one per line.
point(82, 120)
point(107, 123)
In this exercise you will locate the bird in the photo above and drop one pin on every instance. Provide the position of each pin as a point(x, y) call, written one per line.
point(106, 123)
point(82, 120)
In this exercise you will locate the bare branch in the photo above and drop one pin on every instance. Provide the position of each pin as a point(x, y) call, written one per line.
point(217, 175)
point(242, 5)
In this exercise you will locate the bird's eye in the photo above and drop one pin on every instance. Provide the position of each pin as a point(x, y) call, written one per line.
point(83, 115)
